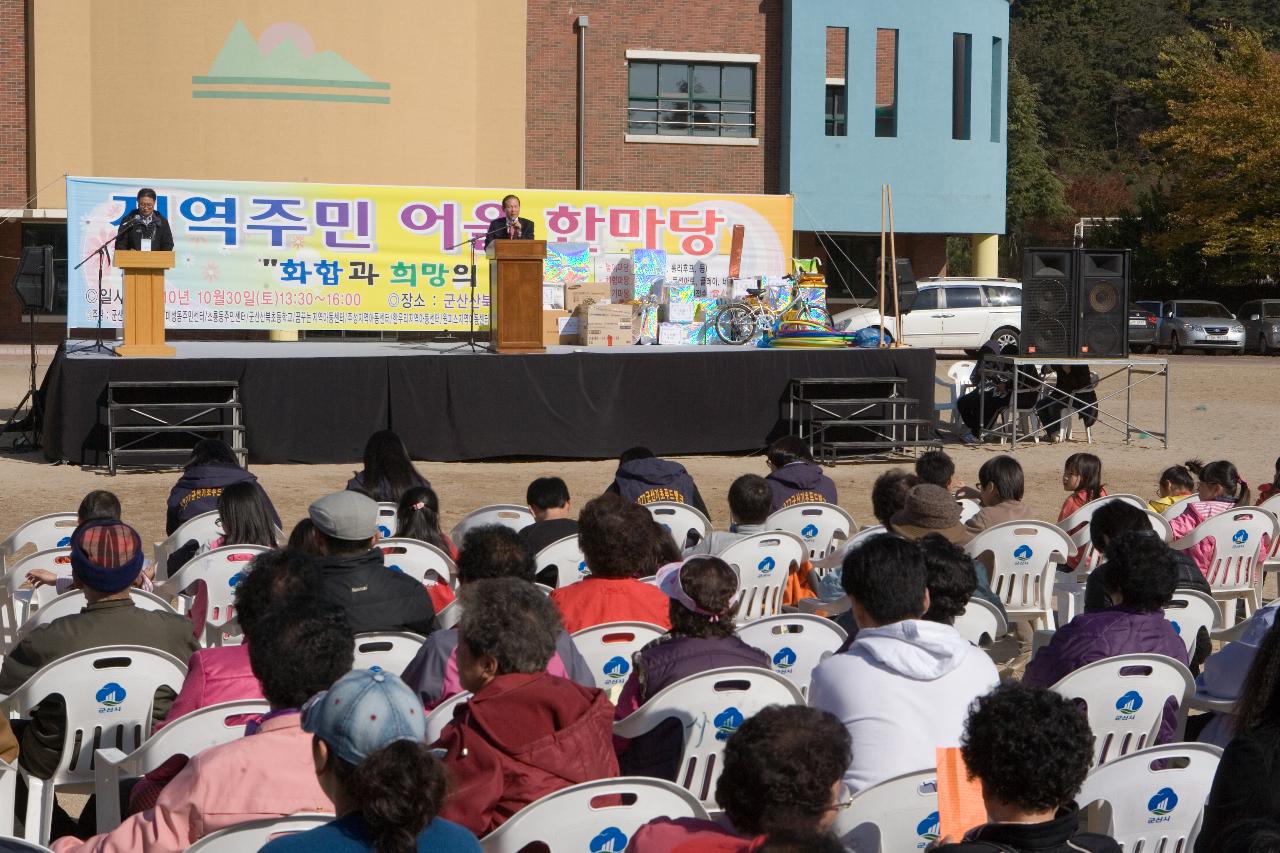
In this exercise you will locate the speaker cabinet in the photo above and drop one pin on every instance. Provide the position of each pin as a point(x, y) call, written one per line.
point(1048, 302)
point(34, 280)
point(1102, 304)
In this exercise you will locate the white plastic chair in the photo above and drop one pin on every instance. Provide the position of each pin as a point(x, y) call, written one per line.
point(823, 527)
point(1236, 569)
point(18, 602)
point(387, 519)
point(981, 622)
point(566, 555)
point(508, 515)
point(8, 790)
point(441, 715)
point(1178, 507)
point(189, 734)
point(686, 524)
point(1082, 538)
point(898, 814)
point(1125, 697)
point(449, 616)
point(958, 385)
point(74, 601)
point(1160, 526)
point(763, 561)
point(1272, 562)
point(1154, 798)
point(43, 533)
point(836, 559)
point(608, 648)
point(218, 572)
point(18, 845)
point(599, 816)
point(109, 693)
point(390, 651)
point(710, 706)
point(203, 528)
point(419, 560)
point(1024, 556)
point(253, 834)
point(795, 644)
point(1189, 611)
point(968, 508)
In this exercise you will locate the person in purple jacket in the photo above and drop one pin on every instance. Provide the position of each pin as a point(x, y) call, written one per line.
point(794, 477)
point(1142, 575)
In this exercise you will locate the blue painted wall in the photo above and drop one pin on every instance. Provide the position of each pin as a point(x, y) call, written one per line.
point(940, 184)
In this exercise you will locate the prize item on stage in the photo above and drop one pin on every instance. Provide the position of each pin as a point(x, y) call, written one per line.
point(144, 302)
point(515, 294)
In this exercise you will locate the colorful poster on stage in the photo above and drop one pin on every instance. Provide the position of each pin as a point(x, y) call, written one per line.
point(256, 255)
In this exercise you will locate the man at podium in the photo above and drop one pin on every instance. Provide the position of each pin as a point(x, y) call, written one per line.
point(512, 226)
point(145, 229)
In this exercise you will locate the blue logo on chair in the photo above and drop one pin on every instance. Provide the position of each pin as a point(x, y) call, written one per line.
point(615, 668)
point(1163, 802)
point(110, 695)
point(1177, 629)
point(727, 722)
point(1129, 703)
point(234, 580)
point(582, 568)
point(1022, 552)
point(610, 840)
point(784, 659)
point(393, 567)
point(1241, 537)
point(929, 828)
point(766, 565)
point(384, 531)
point(63, 542)
point(809, 531)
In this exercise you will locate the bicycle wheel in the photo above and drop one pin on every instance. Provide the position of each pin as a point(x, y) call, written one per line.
point(735, 324)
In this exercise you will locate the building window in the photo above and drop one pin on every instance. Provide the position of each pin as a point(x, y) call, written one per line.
point(685, 99)
point(837, 71)
point(961, 84)
point(886, 82)
point(997, 87)
point(836, 109)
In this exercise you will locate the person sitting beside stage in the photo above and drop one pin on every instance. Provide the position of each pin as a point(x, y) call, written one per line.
point(491, 551)
point(704, 598)
point(750, 502)
point(213, 466)
point(1000, 487)
point(1175, 484)
point(388, 471)
point(980, 407)
point(794, 477)
point(548, 500)
point(617, 540)
point(524, 733)
point(1071, 394)
point(301, 648)
point(782, 770)
point(644, 479)
point(353, 573)
point(889, 493)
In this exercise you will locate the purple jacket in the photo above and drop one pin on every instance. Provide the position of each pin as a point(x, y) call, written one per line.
point(1105, 634)
point(800, 478)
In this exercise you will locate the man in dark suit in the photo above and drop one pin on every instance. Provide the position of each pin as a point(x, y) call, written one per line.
point(512, 226)
point(145, 228)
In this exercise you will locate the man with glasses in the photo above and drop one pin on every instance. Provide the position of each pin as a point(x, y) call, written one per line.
point(145, 228)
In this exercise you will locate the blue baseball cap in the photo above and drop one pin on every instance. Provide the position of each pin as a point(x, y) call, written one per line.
point(364, 711)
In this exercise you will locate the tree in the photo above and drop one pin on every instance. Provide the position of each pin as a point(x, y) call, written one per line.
point(1033, 191)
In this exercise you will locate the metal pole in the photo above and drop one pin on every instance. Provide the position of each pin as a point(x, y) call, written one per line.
point(1128, 403)
point(1166, 405)
point(582, 102)
point(883, 188)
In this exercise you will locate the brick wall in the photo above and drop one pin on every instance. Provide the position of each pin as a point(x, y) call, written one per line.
point(13, 104)
point(837, 51)
point(730, 26)
point(886, 66)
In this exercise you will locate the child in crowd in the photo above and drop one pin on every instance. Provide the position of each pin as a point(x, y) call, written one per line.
point(1000, 488)
point(418, 517)
point(704, 596)
point(98, 505)
point(937, 468)
point(1082, 477)
point(1220, 488)
point(794, 477)
point(750, 499)
point(1269, 490)
point(388, 471)
point(548, 500)
point(1175, 484)
point(889, 493)
point(245, 520)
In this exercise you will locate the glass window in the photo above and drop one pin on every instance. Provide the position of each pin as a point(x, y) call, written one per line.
point(836, 123)
point(964, 297)
point(1002, 296)
point(961, 84)
point(886, 82)
point(997, 87)
point(926, 300)
point(1271, 310)
point(680, 99)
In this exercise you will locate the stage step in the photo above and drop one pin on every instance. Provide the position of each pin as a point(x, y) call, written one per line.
point(852, 417)
point(162, 420)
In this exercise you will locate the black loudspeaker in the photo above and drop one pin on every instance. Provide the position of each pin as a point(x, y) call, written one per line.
point(1048, 302)
point(1102, 304)
point(34, 280)
point(906, 287)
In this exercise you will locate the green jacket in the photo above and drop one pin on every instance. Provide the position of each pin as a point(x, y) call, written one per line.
point(106, 623)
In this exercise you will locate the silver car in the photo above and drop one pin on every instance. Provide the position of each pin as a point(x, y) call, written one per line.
point(1261, 320)
point(1199, 324)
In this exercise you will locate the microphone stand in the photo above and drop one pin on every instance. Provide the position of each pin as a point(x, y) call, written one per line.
point(104, 257)
point(470, 343)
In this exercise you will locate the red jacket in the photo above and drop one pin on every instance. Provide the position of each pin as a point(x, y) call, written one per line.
point(596, 601)
point(519, 738)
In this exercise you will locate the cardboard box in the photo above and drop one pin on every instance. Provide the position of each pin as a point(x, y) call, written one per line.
point(553, 297)
point(570, 330)
point(678, 312)
point(551, 325)
point(592, 291)
point(604, 325)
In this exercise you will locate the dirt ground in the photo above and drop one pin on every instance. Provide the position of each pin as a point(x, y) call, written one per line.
point(1220, 407)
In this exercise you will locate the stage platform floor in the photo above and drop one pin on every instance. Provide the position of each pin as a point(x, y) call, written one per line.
point(318, 401)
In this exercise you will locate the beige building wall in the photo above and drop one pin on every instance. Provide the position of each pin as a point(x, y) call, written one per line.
point(114, 93)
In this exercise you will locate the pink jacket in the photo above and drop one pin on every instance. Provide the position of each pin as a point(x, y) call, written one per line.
point(268, 774)
point(1196, 512)
point(687, 835)
point(213, 676)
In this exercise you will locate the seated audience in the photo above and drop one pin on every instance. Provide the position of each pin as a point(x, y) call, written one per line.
point(298, 650)
point(354, 575)
point(904, 686)
point(388, 471)
point(418, 517)
point(98, 505)
point(1220, 488)
point(213, 467)
point(794, 477)
point(1030, 749)
point(930, 509)
point(644, 479)
point(889, 493)
point(106, 557)
point(304, 538)
point(782, 770)
point(385, 785)
point(937, 468)
point(1269, 490)
point(953, 577)
point(1175, 484)
point(523, 734)
point(548, 500)
point(1225, 671)
point(1000, 487)
point(245, 521)
point(704, 596)
point(491, 551)
point(617, 539)
point(1072, 393)
point(750, 502)
point(1141, 576)
point(1082, 477)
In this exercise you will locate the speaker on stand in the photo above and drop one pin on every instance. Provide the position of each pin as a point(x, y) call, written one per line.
point(1102, 304)
point(1048, 302)
point(34, 286)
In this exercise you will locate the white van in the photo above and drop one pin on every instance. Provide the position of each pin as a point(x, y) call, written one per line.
point(951, 313)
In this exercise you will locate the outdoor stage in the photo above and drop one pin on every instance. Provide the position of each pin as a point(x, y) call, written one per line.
point(318, 402)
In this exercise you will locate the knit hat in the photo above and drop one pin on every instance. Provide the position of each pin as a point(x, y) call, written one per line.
point(345, 515)
point(106, 555)
point(930, 509)
point(364, 711)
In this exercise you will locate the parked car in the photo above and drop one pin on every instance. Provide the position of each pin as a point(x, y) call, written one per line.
point(951, 313)
point(1261, 321)
point(1199, 324)
point(1151, 306)
point(1142, 329)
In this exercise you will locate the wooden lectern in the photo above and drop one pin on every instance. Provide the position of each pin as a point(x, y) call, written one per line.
point(144, 302)
point(515, 294)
